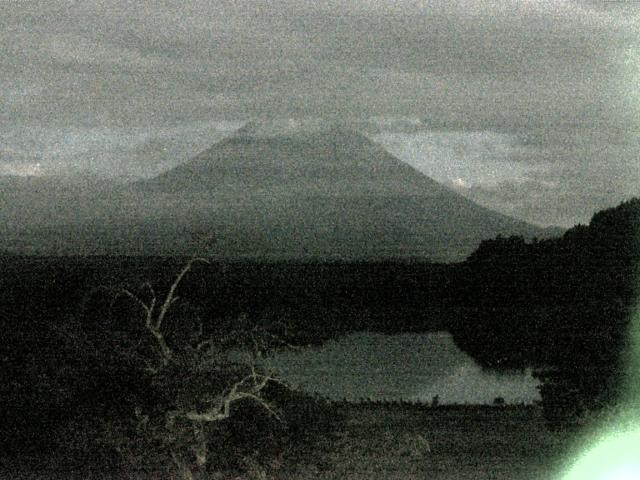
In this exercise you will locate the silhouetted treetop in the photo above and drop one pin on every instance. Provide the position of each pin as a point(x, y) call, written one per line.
point(564, 303)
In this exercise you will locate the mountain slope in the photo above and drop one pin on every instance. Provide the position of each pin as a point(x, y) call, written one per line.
point(332, 162)
point(322, 193)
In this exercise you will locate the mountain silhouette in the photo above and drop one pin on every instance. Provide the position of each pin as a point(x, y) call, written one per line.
point(270, 191)
point(331, 162)
point(321, 192)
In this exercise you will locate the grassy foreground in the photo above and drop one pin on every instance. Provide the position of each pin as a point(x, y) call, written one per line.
point(402, 442)
point(442, 444)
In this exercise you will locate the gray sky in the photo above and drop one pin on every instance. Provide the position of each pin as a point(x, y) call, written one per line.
point(530, 107)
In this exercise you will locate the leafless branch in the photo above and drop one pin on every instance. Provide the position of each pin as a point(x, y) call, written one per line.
point(137, 299)
point(238, 391)
point(170, 298)
point(203, 356)
point(154, 326)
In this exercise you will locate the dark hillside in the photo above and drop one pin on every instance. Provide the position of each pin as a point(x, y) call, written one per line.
point(562, 304)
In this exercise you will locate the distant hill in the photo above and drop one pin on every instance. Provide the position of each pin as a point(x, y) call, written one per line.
point(322, 193)
point(42, 214)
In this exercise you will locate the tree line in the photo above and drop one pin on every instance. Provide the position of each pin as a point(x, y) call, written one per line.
point(562, 305)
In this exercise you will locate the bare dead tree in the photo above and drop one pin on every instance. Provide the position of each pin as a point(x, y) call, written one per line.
point(211, 406)
point(154, 317)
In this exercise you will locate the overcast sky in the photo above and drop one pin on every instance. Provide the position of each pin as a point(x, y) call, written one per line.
point(531, 107)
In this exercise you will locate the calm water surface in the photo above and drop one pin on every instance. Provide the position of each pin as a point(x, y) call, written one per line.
point(407, 366)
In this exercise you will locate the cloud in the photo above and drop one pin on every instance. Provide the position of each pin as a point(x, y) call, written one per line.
point(103, 84)
point(548, 178)
point(109, 151)
point(477, 157)
point(21, 169)
point(459, 184)
point(462, 64)
point(565, 193)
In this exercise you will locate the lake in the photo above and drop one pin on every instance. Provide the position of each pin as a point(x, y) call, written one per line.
point(412, 367)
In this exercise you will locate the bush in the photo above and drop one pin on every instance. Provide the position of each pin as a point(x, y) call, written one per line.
point(160, 395)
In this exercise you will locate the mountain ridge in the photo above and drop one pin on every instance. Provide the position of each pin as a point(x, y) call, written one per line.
point(327, 193)
point(331, 162)
point(332, 190)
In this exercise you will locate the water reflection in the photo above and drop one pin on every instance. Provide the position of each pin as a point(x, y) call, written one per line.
point(408, 366)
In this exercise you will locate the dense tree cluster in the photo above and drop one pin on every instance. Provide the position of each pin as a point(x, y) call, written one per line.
point(562, 305)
